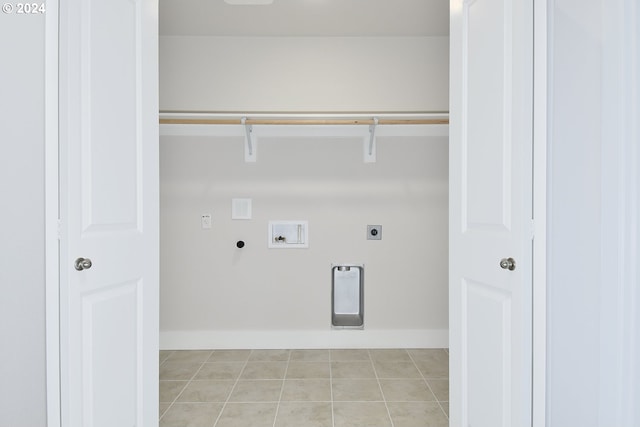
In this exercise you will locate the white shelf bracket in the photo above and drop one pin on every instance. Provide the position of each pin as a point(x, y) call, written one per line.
point(370, 145)
point(249, 144)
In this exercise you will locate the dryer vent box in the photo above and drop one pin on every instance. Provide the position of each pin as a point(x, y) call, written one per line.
point(347, 296)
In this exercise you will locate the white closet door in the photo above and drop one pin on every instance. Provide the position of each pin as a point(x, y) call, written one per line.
point(109, 213)
point(490, 212)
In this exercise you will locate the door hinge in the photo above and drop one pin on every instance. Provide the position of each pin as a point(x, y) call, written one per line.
point(532, 229)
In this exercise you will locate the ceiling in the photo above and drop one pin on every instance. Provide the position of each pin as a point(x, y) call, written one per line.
point(383, 18)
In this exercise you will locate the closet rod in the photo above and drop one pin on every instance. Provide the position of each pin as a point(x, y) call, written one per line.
point(304, 122)
point(440, 119)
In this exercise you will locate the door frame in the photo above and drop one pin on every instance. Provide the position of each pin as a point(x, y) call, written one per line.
point(539, 194)
point(52, 233)
point(52, 213)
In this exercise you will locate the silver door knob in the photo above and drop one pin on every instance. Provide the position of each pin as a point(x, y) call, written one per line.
point(82, 264)
point(508, 264)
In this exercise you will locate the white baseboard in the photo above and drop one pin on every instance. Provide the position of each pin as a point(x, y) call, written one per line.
point(304, 339)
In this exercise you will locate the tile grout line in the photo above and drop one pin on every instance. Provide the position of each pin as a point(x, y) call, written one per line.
point(333, 421)
point(171, 403)
point(429, 385)
point(371, 357)
point(186, 385)
point(438, 400)
point(284, 377)
point(384, 399)
point(181, 391)
point(224, 405)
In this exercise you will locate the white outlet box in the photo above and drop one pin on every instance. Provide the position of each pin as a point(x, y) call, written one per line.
point(206, 221)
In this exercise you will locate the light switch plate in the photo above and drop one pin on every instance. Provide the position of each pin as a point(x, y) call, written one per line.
point(374, 232)
point(206, 221)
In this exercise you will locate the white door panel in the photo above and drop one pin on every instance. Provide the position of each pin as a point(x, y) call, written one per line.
point(490, 208)
point(109, 209)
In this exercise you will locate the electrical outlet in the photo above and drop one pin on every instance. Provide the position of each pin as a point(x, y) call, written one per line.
point(374, 232)
point(206, 221)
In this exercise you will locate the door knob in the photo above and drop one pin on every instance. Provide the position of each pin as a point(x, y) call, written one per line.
point(508, 264)
point(82, 264)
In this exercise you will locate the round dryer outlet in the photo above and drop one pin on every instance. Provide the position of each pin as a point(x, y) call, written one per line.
point(374, 232)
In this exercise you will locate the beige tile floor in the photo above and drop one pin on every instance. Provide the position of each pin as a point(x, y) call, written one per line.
point(304, 388)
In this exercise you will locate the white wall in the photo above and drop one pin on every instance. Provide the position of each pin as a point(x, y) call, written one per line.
point(22, 267)
point(215, 295)
point(304, 74)
point(593, 335)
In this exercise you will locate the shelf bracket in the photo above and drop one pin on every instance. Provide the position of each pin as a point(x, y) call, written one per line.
point(249, 144)
point(370, 145)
